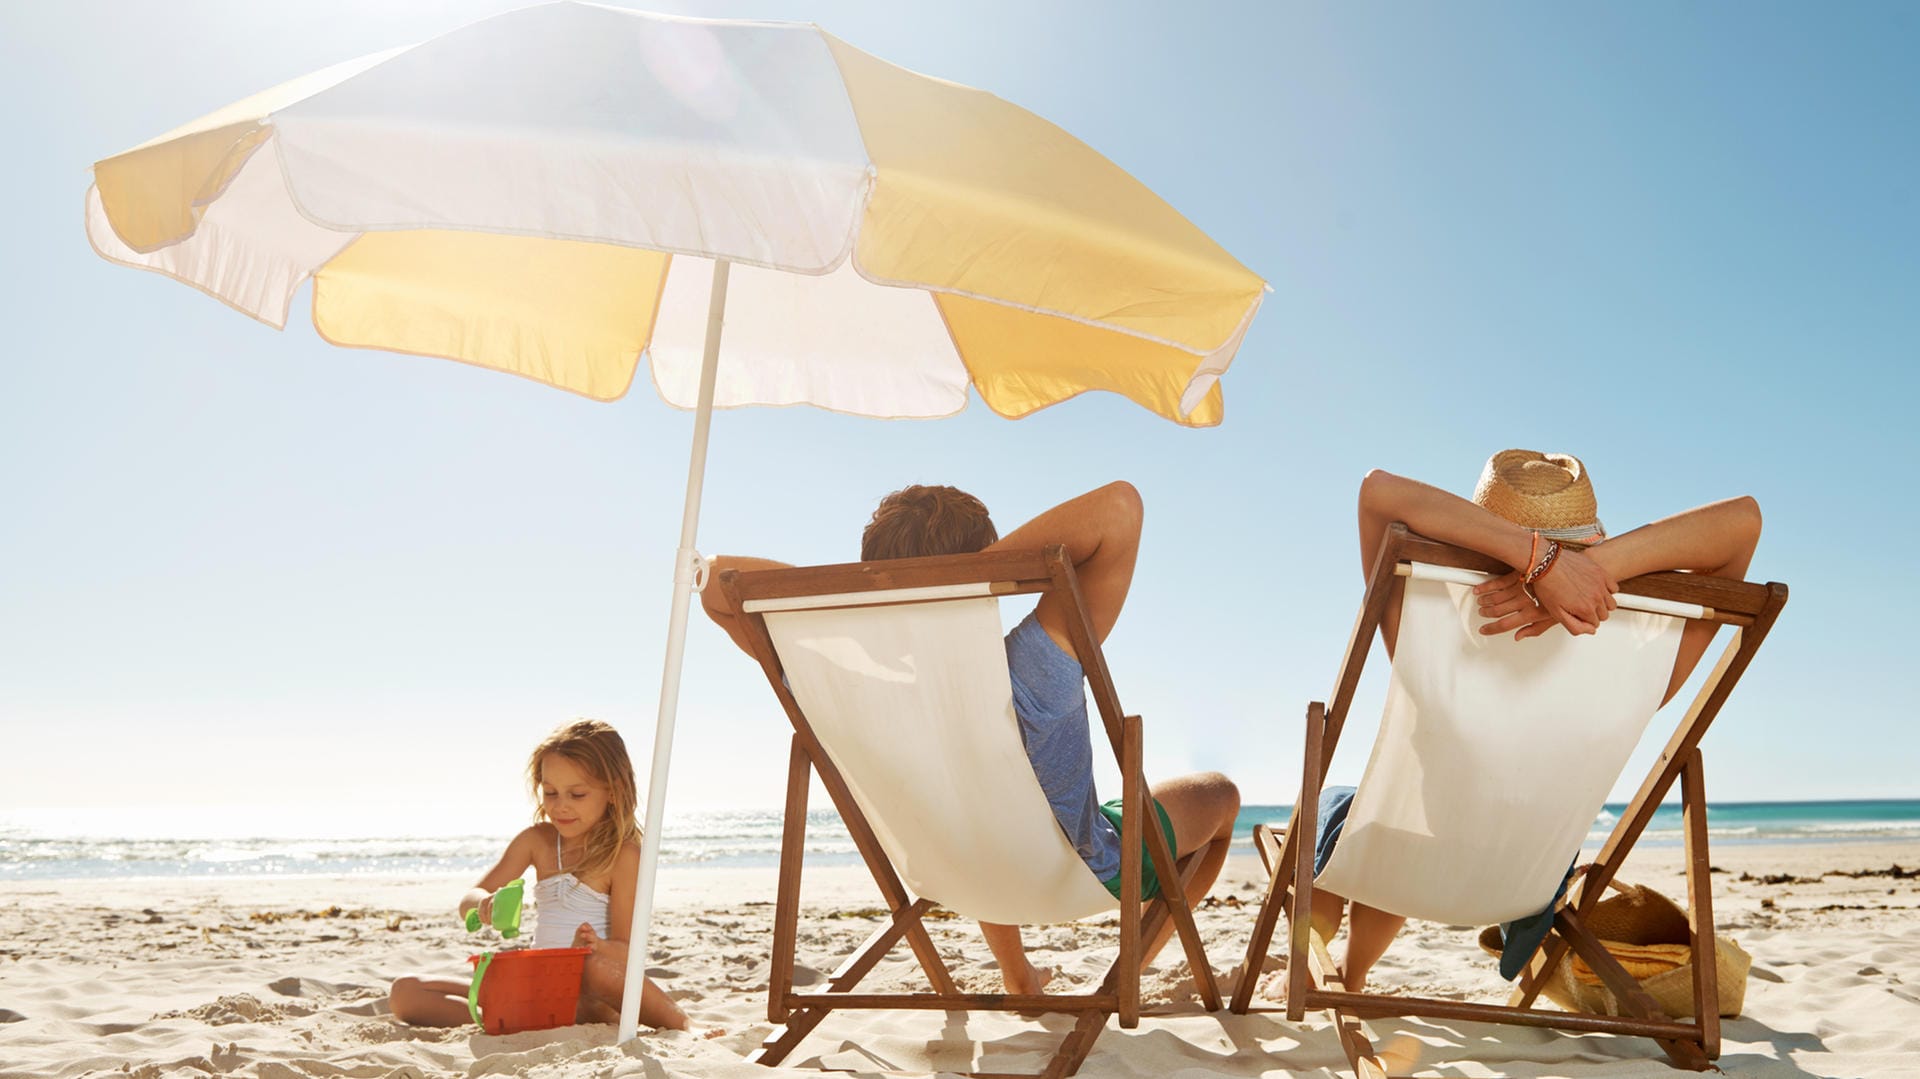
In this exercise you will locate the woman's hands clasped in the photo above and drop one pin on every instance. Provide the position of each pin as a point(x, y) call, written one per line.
point(1575, 593)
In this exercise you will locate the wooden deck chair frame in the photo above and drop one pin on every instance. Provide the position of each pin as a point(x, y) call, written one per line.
point(1691, 1044)
point(1004, 574)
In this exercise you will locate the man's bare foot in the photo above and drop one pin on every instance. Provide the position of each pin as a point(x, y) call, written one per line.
point(1032, 981)
point(1029, 982)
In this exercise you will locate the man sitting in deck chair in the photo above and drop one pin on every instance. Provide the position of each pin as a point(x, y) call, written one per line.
point(1101, 532)
point(1535, 512)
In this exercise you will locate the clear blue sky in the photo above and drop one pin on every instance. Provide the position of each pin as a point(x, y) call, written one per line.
point(240, 568)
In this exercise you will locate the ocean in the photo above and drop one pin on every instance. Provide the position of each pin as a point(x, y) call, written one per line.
point(752, 838)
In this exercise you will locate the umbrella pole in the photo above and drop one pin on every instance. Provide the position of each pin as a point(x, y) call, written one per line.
point(683, 582)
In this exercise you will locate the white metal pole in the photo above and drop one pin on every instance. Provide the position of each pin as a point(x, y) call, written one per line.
point(683, 579)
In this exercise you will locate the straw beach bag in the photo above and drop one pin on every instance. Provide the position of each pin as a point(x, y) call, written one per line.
point(1649, 936)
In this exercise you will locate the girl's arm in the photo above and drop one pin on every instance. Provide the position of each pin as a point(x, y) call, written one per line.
point(713, 599)
point(626, 869)
point(514, 863)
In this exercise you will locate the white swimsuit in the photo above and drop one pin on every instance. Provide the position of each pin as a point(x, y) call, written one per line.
point(560, 904)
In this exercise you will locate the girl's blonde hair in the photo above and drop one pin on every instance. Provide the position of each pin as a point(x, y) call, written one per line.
point(599, 751)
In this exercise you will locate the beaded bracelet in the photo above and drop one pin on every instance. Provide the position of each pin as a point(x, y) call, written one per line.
point(1541, 567)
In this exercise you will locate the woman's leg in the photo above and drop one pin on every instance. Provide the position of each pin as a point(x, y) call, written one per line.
point(429, 1002)
point(605, 981)
point(1369, 931)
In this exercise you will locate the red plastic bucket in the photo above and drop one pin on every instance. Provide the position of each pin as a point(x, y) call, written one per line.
point(528, 989)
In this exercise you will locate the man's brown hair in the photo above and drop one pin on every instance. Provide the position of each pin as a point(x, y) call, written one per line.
point(917, 521)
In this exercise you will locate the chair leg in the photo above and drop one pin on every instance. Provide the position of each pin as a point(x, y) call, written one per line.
point(1133, 815)
point(781, 1040)
point(1173, 894)
point(786, 908)
point(1079, 1042)
point(1298, 830)
point(1361, 1056)
point(1706, 971)
point(1279, 888)
point(1636, 1002)
point(1182, 913)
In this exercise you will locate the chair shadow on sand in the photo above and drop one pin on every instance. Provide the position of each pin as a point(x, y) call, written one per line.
point(1751, 1046)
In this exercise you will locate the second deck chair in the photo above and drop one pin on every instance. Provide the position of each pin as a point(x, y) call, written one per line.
point(894, 675)
point(1493, 760)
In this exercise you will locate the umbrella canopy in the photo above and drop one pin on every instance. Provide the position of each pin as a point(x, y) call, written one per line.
point(559, 191)
point(546, 192)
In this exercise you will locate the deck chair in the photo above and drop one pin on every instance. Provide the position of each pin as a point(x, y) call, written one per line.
point(894, 675)
point(1493, 760)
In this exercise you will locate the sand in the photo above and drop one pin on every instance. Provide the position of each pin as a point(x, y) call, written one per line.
point(286, 978)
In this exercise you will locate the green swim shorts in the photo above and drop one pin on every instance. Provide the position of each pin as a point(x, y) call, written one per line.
point(1149, 880)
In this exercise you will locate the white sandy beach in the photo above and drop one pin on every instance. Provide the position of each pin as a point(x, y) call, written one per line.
point(286, 978)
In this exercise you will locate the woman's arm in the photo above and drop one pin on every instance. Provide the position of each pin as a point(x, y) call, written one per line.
point(1717, 540)
point(713, 598)
point(1577, 592)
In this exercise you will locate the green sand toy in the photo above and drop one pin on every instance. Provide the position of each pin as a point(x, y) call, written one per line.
point(506, 911)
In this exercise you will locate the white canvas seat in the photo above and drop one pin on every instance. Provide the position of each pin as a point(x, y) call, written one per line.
point(913, 703)
point(1494, 757)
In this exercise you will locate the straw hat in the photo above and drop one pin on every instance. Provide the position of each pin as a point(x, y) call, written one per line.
point(1639, 915)
point(1547, 492)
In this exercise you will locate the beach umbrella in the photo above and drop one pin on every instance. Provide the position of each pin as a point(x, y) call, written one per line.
point(560, 192)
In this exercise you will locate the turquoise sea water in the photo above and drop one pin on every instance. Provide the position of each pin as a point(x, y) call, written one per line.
point(1737, 822)
point(752, 838)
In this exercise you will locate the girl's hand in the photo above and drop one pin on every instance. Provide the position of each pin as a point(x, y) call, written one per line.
point(485, 909)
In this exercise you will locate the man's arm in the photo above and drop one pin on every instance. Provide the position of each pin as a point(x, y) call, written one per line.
point(713, 599)
point(1101, 532)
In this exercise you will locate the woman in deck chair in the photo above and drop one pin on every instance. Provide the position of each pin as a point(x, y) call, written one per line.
point(1536, 513)
point(1101, 532)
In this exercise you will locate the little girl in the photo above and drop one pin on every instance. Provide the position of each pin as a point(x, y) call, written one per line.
point(585, 846)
